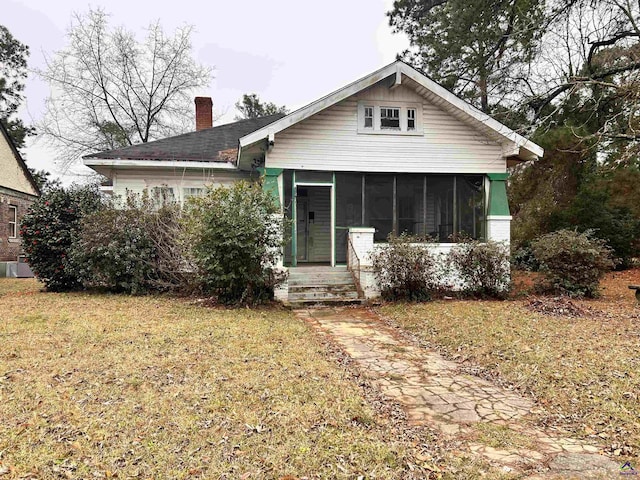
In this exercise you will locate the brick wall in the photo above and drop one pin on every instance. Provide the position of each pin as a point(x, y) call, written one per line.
point(11, 248)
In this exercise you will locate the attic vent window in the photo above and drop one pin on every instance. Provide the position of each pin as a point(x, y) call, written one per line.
point(368, 117)
point(389, 118)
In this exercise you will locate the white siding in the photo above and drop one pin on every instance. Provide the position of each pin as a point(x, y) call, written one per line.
point(136, 181)
point(329, 140)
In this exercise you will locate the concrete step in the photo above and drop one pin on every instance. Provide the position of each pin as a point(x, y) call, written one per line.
point(333, 288)
point(314, 285)
point(325, 303)
point(321, 281)
point(320, 296)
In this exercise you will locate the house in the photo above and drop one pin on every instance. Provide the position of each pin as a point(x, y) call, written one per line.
point(389, 153)
point(18, 191)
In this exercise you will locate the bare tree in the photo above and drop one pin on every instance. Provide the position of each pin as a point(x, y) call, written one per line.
point(588, 75)
point(109, 90)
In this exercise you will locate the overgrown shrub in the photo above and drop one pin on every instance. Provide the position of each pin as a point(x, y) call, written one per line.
point(49, 229)
point(132, 248)
point(483, 267)
point(522, 258)
point(405, 271)
point(572, 263)
point(236, 236)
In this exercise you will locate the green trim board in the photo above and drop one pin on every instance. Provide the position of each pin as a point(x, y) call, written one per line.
point(498, 201)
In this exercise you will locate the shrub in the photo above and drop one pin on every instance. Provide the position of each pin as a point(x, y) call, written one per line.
point(404, 271)
point(49, 229)
point(236, 236)
point(522, 258)
point(483, 267)
point(133, 248)
point(572, 263)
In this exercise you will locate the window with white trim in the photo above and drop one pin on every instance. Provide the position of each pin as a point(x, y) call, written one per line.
point(411, 119)
point(380, 117)
point(389, 118)
point(368, 117)
point(192, 192)
point(13, 221)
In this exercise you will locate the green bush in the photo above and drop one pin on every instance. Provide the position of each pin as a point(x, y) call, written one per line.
point(572, 263)
point(405, 271)
point(49, 229)
point(132, 248)
point(522, 258)
point(482, 267)
point(236, 236)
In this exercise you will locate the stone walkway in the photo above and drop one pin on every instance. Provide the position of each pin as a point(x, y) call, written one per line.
point(432, 392)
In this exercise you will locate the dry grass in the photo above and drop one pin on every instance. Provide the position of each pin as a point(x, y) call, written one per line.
point(101, 386)
point(583, 371)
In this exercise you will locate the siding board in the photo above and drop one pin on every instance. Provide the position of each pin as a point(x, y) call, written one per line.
point(329, 140)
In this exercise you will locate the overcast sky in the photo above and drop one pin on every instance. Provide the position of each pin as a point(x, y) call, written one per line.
point(289, 52)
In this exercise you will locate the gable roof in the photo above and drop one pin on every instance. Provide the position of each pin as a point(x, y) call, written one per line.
point(217, 144)
point(515, 145)
point(21, 164)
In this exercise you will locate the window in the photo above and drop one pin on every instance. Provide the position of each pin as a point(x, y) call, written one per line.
point(368, 117)
point(162, 196)
point(13, 221)
point(389, 118)
point(192, 192)
point(383, 119)
point(411, 119)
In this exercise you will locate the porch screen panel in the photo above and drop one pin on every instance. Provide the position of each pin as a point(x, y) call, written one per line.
point(440, 207)
point(470, 219)
point(348, 210)
point(410, 204)
point(378, 208)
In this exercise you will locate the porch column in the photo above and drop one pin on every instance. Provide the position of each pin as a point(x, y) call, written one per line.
point(271, 180)
point(498, 216)
point(272, 183)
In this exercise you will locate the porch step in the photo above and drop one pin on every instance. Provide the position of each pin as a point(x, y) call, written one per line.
point(320, 285)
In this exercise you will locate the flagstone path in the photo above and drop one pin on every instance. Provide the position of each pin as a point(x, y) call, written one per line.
point(433, 392)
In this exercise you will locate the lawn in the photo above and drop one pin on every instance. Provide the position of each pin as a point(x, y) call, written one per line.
point(112, 386)
point(579, 360)
point(99, 386)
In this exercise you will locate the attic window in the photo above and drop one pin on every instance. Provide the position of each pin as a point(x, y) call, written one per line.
point(411, 119)
point(368, 117)
point(389, 118)
point(381, 118)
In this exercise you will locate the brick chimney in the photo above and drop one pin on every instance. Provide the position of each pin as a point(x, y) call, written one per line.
point(204, 115)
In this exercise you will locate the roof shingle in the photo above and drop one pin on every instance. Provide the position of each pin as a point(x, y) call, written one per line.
point(217, 144)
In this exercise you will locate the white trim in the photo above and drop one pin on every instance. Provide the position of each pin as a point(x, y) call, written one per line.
point(499, 217)
point(311, 184)
point(117, 162)
point(397, 68)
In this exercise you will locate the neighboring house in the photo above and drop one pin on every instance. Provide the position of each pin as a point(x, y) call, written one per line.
point(392, 152)
point(18, 191)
